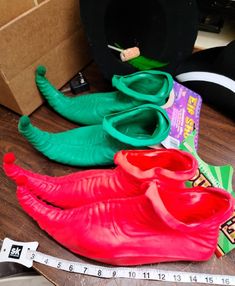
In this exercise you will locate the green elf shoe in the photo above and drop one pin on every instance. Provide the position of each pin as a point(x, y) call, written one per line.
point(130, 91)
point(93, 145)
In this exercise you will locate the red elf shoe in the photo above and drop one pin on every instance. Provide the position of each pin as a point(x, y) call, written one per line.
point(169, 167)
point(154, 227)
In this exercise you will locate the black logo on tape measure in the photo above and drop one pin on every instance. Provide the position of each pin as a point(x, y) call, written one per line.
point(15, 251)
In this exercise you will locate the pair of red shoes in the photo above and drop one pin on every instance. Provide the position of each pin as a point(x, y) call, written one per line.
point(137, 213)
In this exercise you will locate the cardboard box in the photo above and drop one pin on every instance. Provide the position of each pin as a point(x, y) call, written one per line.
point(12, 8)
point(49, 33)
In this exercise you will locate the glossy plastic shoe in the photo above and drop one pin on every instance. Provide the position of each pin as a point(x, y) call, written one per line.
point(169, 168)
point(94, 145)
point(130, 91)
point(157, 226)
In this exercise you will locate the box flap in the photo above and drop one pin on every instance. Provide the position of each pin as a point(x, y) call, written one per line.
point(33, 34)
point(13, 8)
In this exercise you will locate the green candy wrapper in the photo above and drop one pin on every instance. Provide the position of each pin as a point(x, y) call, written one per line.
point(216, 176)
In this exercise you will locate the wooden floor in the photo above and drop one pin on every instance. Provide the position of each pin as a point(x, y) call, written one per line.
point(216, 146)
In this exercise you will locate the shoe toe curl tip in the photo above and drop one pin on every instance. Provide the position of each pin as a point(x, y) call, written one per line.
point(9, 158)
point(24, 122)
point(21, 180)
point(41, 70)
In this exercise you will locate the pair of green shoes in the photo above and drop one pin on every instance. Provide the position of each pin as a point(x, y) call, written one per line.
point(130, 117)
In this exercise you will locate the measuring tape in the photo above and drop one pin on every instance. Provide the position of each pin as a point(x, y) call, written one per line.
point(25, 253)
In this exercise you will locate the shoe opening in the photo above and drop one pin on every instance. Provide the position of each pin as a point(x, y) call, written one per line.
point(197, 205)
point(170, 160)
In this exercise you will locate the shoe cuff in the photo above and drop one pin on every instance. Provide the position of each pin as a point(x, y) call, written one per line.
point(129, 85)
point(212, 221)
point(152, 164)
point(122, 125)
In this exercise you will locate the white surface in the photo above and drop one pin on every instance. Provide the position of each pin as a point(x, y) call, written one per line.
point(206, 40)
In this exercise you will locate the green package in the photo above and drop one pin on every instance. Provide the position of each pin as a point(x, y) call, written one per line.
point(214, 176)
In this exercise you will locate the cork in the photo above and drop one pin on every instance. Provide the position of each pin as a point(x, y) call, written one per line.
point(127, 54)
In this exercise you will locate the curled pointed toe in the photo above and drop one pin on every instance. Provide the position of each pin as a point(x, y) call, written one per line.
point(41, 70)
point(21, 181)
point(24, 122)
point(9, 158)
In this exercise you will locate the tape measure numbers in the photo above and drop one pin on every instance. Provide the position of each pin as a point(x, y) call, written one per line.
point(25, 253)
